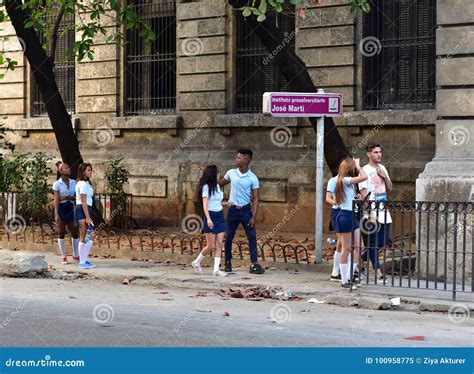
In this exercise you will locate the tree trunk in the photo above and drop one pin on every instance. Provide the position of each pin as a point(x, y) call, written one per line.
point(43, 70)
point(295, 72)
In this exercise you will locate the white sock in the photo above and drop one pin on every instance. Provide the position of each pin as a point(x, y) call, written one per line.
point(199, 258)
point(344, 272)
point(62, 247)
point(354, 268)
point(335, 264)
point(75, 247)
point(88, 248)
point(217, 262)
point(82, 253)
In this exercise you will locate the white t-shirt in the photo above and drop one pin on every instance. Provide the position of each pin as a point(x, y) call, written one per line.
point(84, 188)
point(214, 202)
point(376, 186)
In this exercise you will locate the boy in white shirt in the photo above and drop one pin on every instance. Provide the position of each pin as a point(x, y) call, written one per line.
point(378, 223)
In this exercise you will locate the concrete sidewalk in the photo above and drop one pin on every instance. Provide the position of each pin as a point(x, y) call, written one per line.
point(306, 284)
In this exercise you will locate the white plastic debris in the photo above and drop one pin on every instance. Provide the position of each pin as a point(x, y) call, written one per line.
point(316, 301)
point(395, 301)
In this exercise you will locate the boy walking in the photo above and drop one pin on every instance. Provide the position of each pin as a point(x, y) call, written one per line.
point(243, 205)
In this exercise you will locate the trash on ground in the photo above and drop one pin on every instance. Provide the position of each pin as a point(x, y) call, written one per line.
point(316, 301)
point(258, 293)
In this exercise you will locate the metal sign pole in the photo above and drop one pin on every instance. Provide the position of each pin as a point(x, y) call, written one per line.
point(319, 188)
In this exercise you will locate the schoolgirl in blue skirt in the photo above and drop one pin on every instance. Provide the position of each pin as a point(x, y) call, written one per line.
point(213, 223)
point(64, 197)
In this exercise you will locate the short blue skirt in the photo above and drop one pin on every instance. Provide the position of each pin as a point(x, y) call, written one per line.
point(218, 221)
point(66, 212)
point(342, 221)
point(80, 212)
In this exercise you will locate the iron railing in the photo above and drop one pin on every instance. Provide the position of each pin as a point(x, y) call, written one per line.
point(430, 244)
point(399, 55)
point(150, 75)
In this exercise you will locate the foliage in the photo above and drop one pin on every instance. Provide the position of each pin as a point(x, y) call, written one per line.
point(116, 176)
point(260, 8)
point(93, 18)
point(35, 191)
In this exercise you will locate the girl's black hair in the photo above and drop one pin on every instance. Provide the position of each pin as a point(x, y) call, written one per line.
point(209, 177)
point(58, 174)
point(80, 172)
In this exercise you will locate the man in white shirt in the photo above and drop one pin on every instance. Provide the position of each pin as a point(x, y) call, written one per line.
point(376, 222)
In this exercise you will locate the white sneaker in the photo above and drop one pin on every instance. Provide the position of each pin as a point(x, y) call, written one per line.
point(220, 273)
point(197, 268)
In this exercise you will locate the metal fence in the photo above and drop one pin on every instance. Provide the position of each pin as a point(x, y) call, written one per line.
point(427, 245)
point(111, 210)
point(399, 54)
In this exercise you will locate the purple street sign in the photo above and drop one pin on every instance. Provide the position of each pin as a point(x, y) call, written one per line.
point(291, 104)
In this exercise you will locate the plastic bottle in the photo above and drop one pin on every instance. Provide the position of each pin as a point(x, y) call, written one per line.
point(90, 228)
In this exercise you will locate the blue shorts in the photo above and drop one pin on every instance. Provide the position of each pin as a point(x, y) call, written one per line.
point(66, 212)
point(80, 212)
point(342, 221)
point(217, 219)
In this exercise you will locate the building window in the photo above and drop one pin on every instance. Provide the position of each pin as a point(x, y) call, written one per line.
point(399, 68)
point(64, 68)
point(150, 77)
point(256, 73)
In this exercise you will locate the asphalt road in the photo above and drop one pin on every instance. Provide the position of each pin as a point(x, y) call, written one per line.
point(81, 313)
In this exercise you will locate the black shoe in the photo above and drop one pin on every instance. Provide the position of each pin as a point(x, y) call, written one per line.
point(348, 285)
point(228, 267)
point(335, 278)
point(255, 268)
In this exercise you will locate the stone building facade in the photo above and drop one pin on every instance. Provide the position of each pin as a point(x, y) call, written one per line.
point(166, 145)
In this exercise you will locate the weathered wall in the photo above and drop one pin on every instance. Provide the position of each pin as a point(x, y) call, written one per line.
point(165, 153)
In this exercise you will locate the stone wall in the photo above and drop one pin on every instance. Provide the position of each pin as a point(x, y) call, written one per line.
point(166, 153)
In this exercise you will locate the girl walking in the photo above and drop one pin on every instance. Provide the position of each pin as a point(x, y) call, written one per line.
point(214, 224)
point(84, 193)
point(64, 197)
point(342, 219)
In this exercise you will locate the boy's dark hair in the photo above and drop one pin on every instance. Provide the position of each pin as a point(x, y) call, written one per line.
point(246, 152)
point(370, 147)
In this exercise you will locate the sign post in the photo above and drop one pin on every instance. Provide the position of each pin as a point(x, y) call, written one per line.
point(292, 104)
